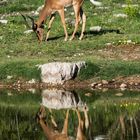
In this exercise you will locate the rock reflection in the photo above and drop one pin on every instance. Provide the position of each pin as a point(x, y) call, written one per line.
point(61, 99)
point(71, 102)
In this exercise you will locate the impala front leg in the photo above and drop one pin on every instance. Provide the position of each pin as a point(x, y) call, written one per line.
point(49, 26)
point(61, 13)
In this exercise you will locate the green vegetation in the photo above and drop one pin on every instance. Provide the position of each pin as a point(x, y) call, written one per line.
point(20, 52)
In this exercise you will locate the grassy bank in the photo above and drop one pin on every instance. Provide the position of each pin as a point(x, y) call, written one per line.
point(27, 70)
point(20, 52)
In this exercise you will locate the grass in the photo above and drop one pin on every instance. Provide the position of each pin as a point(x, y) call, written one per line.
point(19, 52)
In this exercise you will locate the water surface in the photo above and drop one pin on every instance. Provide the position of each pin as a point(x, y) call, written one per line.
point(110, 114)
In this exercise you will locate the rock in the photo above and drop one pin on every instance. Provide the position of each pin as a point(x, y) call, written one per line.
point(96, 3)
point(95, 29)
point(99, 85)
point(28, 31)
point(119, 94)
point(93, 85)
point(132, 5)
point(61, 99)
point(32, 81)
point(88, 94)
point(3, 2)
point(136, 84)
point(9, 94)
point(32, 90)
point(123, 85)
point(108, 44)
point(38, 10)
point(9, 77)
point(121, 15)
point(59, 72)
point(3, 21)
point(104, 82)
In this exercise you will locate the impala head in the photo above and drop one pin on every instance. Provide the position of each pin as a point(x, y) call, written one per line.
point(38, 29)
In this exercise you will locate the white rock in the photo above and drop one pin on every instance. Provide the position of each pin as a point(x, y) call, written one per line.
point(40, 8)
point(36, 13)
point(132, 5)
point(123, 85)
point(28, 31)
point(3, 21)
point(32, 90)
point(94, 84)
point(9, 77)
point(105, 82)
point(129, 41)
point(119, 94)
point(32, 81)
point(95, 28)
point(96, 3)
point(108, 44)
point(102, 8)
point(9, 94)
point(120, 15)
point(59, 72)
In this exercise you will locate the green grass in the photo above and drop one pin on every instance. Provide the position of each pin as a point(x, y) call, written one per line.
point(19, 52)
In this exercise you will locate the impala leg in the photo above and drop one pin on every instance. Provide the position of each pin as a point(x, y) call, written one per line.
point(49, 26)
point(61, 13)
point(77, 18)
point(86, 116)
point(80, 134)
point(65, 127)
point(83, 17)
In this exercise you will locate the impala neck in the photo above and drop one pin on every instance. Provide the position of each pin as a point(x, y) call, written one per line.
point(46, 129)
point(45, 12)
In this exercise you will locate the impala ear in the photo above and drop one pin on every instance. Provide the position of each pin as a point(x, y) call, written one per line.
point(34, 26)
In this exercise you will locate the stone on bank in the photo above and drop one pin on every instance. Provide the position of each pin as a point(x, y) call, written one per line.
point(59, 72)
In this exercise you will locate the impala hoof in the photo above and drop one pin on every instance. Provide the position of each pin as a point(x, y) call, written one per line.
point(81, 37)
point(71, 39)
point(65, 39)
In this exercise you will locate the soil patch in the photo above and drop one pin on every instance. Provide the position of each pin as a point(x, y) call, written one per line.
point(123, 52)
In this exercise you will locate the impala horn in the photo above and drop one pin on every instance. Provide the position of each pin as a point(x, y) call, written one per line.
point(25, 19)
point(34, 25)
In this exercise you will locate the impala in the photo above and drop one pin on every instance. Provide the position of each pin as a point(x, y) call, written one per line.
point(52, 6)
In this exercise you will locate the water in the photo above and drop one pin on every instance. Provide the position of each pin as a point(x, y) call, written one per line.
point(92, 115)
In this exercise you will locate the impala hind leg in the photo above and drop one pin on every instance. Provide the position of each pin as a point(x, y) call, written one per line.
point(65, 126)
point(77, 20)
point(83, 17)
point(62, 16)
point(49, 25)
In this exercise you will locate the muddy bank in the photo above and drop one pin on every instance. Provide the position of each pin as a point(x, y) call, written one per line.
point(132, 82)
